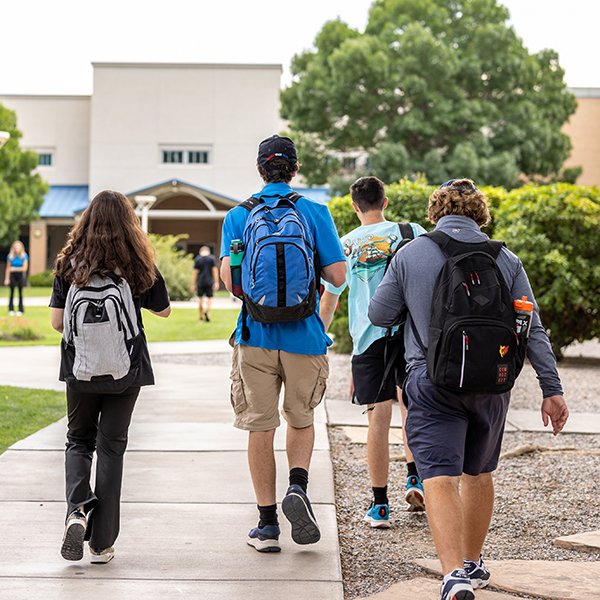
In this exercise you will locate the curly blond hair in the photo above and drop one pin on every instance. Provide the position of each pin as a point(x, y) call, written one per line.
point(459, 197)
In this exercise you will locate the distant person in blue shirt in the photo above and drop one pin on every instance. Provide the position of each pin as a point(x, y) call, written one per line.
point(368, 249)
point(15, 274)
point(292, 353)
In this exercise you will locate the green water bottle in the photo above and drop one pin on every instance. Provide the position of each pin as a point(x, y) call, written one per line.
point(236, 256)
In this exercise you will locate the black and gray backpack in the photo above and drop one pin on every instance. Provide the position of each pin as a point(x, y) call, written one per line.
point(101, 344)
point(473, 344)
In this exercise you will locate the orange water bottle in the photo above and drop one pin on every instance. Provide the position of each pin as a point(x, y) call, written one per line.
point(524, 314)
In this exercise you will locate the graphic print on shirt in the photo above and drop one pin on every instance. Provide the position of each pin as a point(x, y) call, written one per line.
point(370, 254)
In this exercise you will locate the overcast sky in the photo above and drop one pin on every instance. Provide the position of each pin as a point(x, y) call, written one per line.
point(47, 46)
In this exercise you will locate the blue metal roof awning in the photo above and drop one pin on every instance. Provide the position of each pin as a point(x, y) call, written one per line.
point(322, 195)
point(64, 201)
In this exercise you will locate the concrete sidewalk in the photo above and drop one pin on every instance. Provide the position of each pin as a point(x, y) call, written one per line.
point(187, 500)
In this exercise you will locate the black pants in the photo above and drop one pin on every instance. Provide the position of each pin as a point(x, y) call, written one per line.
point(97, 422)
point(16, 280)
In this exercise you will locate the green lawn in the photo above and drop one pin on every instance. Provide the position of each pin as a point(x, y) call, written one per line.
point(24, 411)
point(28, 292)
point(182, 325)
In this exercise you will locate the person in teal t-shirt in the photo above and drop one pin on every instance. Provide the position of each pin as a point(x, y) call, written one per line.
point(368, 249)
point(292, 354)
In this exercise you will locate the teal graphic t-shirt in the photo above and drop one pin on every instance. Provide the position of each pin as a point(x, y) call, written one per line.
point(366, 249)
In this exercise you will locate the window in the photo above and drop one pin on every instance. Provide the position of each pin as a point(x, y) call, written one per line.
point(172, 156)
point(45, 159)
point(198, 157)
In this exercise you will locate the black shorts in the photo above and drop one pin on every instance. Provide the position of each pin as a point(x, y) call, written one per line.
point(451, 433)
point(205, 290)
point(368, 370)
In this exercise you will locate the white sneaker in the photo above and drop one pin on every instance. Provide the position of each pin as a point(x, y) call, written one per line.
point(11, 313)
point(19, 313)
point(102, 556)
point(72, 542)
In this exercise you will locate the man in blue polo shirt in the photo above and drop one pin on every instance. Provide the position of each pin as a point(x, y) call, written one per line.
point(292, 353)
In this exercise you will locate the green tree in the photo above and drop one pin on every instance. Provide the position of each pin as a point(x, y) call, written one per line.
point(441, 87)
point(21, 190)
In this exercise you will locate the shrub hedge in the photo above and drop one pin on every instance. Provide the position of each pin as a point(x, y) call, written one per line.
point(555, 231)
point(175, 265)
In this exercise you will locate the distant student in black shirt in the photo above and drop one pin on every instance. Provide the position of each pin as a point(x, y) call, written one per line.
point(206, 280)
point(107, 242)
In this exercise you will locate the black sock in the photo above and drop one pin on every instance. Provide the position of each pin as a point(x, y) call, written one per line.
point(299, 476)
point(268, 515)
point(412, 469)
point(380, 495)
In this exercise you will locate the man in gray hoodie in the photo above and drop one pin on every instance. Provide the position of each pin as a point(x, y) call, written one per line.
point(456, 436)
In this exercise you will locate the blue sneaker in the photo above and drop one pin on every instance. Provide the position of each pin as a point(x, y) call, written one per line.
point(477, 573)
point(265, 539)
point(415, 495)
point(457, 586)
point(296, 507)
point(378, 516)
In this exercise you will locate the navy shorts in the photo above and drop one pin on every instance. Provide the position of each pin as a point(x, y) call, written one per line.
point(368, 370)
point(450, 433)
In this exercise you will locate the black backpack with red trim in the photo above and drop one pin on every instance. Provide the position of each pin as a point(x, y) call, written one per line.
point(473, 345)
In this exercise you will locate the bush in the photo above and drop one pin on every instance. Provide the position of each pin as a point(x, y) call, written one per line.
point(554, 231)
point(18, 330)
point(175, 265)
point(552, 228)
point(43, 279)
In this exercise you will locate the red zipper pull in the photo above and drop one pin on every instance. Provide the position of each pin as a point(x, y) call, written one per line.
point(477, 277)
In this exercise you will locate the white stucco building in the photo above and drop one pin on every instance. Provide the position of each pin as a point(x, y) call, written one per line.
point(185, 133)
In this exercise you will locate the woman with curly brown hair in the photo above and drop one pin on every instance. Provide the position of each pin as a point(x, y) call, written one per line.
point(106, 242)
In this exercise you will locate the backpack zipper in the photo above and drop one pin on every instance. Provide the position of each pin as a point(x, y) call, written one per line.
point(465, 347)
point(253, 265)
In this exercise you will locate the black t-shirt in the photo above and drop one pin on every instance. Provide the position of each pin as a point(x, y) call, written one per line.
point(155, 299)
point(204, 265)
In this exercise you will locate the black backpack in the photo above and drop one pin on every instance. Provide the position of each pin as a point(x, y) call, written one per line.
point(473, 344)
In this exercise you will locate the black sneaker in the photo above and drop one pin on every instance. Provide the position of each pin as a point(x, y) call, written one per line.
point(206, 317)
point(477, 573)
point(72, 543)
point(457, 586)
point(296, 507)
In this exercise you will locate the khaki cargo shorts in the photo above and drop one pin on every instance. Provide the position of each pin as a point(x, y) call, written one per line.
point(256, 378)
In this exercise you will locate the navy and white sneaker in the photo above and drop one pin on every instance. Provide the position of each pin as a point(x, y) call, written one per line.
point(457, 586)
point(72, 542)
point(477, 573)
point(296, 507)
point(265, 539)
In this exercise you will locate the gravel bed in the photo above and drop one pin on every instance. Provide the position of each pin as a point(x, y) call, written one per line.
point(540, 495)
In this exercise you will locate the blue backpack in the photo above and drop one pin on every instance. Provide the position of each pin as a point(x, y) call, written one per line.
point(280, 265)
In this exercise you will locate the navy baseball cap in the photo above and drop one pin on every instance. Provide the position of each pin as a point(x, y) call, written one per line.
point(276, 146)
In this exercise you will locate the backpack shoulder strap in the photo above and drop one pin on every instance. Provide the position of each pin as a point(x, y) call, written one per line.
point(251, 203)
point(406, 231)
point(451, 247)
point(293, 197)
point(495, 247)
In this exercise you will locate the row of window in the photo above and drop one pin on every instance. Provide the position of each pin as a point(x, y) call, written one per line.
point(168, 157)
point(190, 157)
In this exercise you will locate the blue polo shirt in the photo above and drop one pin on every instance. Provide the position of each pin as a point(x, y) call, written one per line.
point(298, 337)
